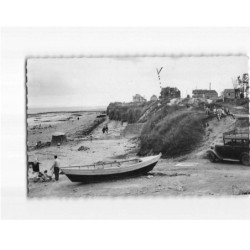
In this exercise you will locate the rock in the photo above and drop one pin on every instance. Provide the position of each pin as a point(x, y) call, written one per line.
point(82, 148)
point(239, 191)
point(180, 188)
point(39, 144)
point(177, 187)
point(58, 137)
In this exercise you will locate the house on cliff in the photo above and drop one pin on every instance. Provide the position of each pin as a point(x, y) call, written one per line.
point(229, 93)
point(153, 98)
point(138, 98)
point(205, 93)
point(233, 93)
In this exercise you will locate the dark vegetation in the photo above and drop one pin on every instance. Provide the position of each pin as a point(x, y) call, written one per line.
point(169, 93)
point(238, 102)
point(129, 112)
point(173, 131)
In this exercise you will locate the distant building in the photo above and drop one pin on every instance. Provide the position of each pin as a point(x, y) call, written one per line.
point(205, 93)
point(170, 93)
point(233, 93)
point(138, 98)
point(229, 93)
point(153, 98)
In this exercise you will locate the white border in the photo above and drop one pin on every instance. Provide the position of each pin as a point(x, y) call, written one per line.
point(20, 43)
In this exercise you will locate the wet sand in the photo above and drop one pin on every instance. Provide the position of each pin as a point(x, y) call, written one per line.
point(42, 126)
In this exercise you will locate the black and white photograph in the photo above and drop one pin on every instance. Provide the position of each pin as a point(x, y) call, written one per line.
point(162, 126)
point(125, 126)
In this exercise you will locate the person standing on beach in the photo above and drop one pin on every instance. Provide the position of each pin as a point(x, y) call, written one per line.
point(56, 168)
point(35, 166)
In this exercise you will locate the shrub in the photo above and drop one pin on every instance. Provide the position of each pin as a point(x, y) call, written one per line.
point(242, 102)
point(176, 134)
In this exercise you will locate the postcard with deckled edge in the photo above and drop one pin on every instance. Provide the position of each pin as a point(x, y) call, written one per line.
point(137, 126)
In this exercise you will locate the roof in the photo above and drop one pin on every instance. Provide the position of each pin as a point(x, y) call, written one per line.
point(153, 96)
point(58, 134)
point(204, 91)
point(229, 90)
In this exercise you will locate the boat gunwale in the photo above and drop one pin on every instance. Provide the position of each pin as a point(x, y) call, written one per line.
point(107, 171)
point(101, 164)
point(139, 160)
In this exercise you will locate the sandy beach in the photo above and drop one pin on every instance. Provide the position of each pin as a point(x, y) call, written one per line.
point(183, 176)
point(169, 178)
point(98, 146)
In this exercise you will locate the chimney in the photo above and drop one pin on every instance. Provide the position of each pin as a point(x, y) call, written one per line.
point(210, 86)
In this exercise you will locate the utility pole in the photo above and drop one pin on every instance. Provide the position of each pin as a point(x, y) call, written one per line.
point(158, 71)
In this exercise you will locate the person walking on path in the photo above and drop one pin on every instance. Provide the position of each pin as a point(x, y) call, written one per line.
point(103, 130)
point(106, 128)
point(207, 110)
point(219, 114)
point(56, 168)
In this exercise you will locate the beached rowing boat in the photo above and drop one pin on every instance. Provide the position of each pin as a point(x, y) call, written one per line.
point(111, 170)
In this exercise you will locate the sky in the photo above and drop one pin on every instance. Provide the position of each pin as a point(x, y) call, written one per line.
point(92, 82)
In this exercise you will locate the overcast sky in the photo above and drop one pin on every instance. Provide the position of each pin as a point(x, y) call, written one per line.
point(88, 82)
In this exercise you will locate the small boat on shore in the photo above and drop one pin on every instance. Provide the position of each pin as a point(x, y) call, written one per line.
point(110, 170)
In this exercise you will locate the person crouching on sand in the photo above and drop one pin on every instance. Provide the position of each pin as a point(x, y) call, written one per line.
point(56, 168)
point(46, 176)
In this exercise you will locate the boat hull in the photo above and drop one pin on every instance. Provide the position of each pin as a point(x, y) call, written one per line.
point(98, 178)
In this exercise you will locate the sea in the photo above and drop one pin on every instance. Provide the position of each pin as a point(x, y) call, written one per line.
point(39, 110)
point(50, 116)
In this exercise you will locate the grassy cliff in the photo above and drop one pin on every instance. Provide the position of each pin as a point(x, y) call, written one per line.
point(174, 129)
point(172, 132)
